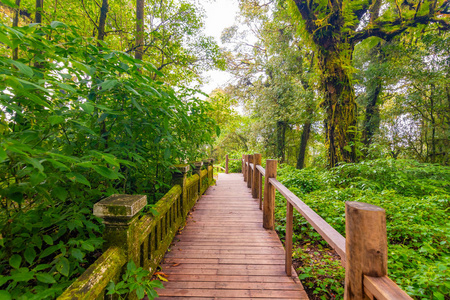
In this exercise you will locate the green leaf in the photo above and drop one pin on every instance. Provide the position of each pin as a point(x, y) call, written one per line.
point(87, 246)
point(3, 154)
point(49, 250)
point(105, 172)
point(37, 177)
point(5, 40)
point(48, 239)
point(167, 154)
point(56, 24)
point(36, 163)
point(140, 292)
point(63, 266)
point(76, 177)
point(9, 3)
point(109, 84)
point(87, 107)
point(60, 193)
point(24, 69)
point(15, 261)
point(5, 295)
point(55, 120)
point(136, 104)
point(45, 278)
point(30, 254)
point(77, 253)
point(22, 275)
point(66, 87)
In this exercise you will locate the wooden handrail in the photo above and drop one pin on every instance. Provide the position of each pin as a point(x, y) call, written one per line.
point(364, 251)
point(334, 238)
point(383, 288)
point(261, 170)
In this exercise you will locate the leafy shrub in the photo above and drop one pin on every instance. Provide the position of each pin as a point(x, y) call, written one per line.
point(78, 122)
point(135, 280)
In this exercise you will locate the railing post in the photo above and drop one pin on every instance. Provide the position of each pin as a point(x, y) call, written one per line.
point(269, 194)
point(288, 237)
point(244, 170)
point(260, 194)
point(180, 178)
point(119, 214)
point(243, 163)
point(255, 177)
point(197, 169)
point(366, 246)
point(226, 164)
point(249, 171)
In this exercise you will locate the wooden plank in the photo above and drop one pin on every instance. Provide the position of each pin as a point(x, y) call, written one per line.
point(233, 285)
point(334, 238)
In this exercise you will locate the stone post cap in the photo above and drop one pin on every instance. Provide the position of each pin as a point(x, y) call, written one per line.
point(181, 168)
point(198, 164)
point(122, 207)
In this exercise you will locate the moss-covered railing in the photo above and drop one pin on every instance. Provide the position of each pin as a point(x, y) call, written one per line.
point(143, 238)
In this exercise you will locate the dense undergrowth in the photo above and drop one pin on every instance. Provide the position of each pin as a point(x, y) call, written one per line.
point(416, 198)
point(78, 122)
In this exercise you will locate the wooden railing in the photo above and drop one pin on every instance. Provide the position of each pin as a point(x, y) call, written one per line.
point(143, 238)
point(363, 252)
point(227, 160)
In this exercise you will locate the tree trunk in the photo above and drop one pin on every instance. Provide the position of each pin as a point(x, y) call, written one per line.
point(281, 135)
point(372, 119)
point(15, 53)
point(39, 10)
point(339, 103)
point(303, 143)
point(102, 20)
point(139, 29)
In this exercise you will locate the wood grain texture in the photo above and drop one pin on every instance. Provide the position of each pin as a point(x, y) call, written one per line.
point(383, 288)
point(225, 253)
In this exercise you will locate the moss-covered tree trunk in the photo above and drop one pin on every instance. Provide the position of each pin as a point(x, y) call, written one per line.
point(339, 104)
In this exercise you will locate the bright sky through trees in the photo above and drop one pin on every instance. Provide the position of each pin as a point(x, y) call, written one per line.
point(220, 14)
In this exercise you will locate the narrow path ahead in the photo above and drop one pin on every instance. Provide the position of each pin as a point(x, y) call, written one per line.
point(225, 253)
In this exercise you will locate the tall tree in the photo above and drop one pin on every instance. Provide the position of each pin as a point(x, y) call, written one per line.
point(139, 29)
point(39, 10)
point(335, 27)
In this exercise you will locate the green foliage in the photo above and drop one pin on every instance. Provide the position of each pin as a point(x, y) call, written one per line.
point(416, 198)
point(135, 280)
point(78, 122)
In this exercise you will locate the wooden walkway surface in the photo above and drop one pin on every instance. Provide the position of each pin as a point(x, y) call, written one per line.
point(225, 253)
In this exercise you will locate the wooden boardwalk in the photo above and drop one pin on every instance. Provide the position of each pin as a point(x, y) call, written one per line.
point(225, 253)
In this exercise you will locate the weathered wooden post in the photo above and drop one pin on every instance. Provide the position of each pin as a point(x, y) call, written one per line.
point(288, 237)
point(260, 192)
point(255, 178)
point(242, 163)
point(249, 171)
point(179, 177)
point(269, 194)
point(226, 164)
point(119, 214)
point(197, 170)
point(244, 170)
point(366, 246)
